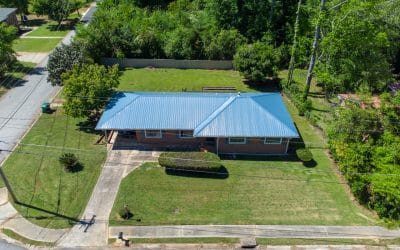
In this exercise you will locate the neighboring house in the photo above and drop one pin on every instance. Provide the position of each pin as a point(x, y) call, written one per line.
point(9, 16)
point(224, 123)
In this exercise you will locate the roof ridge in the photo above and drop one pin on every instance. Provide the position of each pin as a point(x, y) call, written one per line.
point(269, 113)
point(214, 114)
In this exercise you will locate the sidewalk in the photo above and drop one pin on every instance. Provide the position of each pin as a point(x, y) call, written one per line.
point(10, 219)
point(256, 231)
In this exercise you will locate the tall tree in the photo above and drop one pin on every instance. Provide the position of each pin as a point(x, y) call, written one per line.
point(57, 10)
point(314, 51)
point(294, 45)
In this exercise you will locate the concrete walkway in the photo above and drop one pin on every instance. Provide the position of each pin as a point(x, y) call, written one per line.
point(10, 219)
point(33, 57)
point(257, 231)
point(103, 196)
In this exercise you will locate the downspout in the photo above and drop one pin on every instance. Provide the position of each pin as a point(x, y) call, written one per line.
point(287, 145)
point(218, 146)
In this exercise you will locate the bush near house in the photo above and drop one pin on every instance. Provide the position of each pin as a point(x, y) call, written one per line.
point(304, 154)
point(201, 161)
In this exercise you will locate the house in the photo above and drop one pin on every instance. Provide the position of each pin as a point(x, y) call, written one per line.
point(9, 16)
point(224, 123)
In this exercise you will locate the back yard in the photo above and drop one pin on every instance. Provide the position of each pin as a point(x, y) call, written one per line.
point(257, 191)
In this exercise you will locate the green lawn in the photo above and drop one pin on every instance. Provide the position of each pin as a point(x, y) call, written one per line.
point(35, 45)
point(321, 110)
point(40, 182)
point(15, 76)
point(50, 29)
point(24, 240)
point(177, 79)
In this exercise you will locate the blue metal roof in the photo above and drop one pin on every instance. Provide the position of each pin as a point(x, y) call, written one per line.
point(207, 114)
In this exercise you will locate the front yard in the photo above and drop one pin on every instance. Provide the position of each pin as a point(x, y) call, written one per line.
point(35, 44)
point(38, 179)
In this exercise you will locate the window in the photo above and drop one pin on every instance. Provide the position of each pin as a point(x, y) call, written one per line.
point(185, 134)
point(152, 133)
point(237, 140)
point(270, 140)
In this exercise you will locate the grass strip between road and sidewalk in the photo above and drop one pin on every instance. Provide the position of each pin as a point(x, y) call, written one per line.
point(24, 240)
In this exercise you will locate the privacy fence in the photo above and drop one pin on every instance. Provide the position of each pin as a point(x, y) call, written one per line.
point(169, 63)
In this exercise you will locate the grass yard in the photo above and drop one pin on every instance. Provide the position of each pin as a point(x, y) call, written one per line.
point(169, 80)
point(50, 29)
point(35, 44)
point(25, 240)
point(321, 110)
point(14, 77)
point(41, 183)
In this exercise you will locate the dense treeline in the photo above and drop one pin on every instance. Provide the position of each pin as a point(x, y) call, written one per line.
point(366, 142)
point(183, 29)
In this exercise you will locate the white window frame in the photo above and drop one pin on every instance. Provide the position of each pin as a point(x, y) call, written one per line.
point(152, 137)
point(184, 136)
point(243, 142)
point(273, 143)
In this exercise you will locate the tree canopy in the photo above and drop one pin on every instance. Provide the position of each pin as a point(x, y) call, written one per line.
point(7, 56)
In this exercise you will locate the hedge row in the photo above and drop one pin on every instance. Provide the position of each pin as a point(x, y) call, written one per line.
point(200, 161)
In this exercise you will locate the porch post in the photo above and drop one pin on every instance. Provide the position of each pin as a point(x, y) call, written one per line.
point(217, 145)
point(287, 145)
point(105, 134)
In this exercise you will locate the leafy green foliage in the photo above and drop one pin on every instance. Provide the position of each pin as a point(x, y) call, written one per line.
point(257, 61)
point(7, 57)
point(69, 161)
point(200, 161)
point(57, 10)
point(355, 49)
point(365, 142)
point(62, 59)
point(88, 88)
point(304, 154)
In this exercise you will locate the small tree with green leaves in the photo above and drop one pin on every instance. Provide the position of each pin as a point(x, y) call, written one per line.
point(257, 61)
point(7, 57)
point(88, 89)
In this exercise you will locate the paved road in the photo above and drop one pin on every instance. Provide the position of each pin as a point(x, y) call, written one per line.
point(20, 106)
point(257, 231)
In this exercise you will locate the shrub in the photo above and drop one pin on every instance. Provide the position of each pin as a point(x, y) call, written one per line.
point(200, 161)
point(257, 61)
point(304, 154)
point(125, 213)
point(69, 161)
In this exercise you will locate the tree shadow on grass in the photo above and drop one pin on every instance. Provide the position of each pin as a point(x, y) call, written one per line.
point(222, 173)
point(268, 85)
point(88, 126)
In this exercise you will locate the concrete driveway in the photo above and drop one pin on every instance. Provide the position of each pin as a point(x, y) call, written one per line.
point(119, 163)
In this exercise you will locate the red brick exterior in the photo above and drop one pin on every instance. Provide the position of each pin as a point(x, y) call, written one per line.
point(252, 146)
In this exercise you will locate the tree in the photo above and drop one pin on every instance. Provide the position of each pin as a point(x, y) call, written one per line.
point(57, 10)
point(62, 59)
point(7, 57)
point(294, 45)
point(224, 45)
point(313, 52)
point(87, 89)
point(21, 5)
point(354, 49)
point(256, 61)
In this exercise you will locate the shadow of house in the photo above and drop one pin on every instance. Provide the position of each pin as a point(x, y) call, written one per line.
point(222, 173)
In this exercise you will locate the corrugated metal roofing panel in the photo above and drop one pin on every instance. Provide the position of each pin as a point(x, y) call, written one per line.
point(208, 114)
